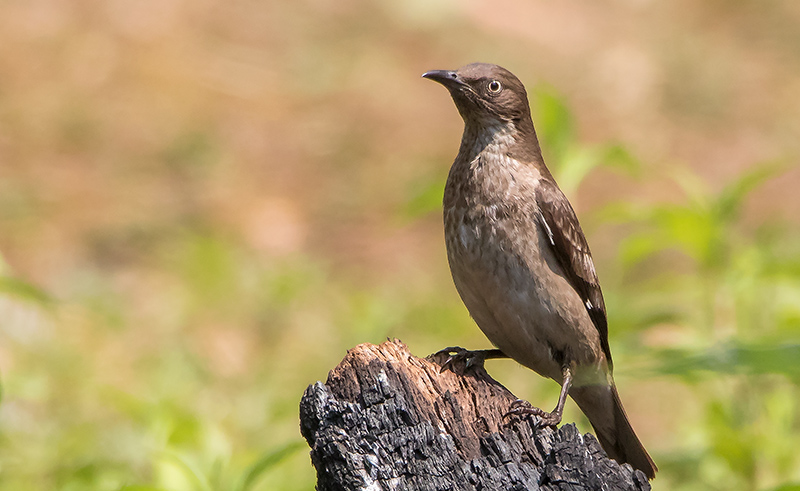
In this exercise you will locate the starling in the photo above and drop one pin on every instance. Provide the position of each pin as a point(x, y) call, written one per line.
point(520, 261)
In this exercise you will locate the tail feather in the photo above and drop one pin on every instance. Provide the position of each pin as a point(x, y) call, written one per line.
point(601, 404)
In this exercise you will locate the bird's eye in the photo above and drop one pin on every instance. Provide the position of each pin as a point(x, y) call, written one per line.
point(495, 87)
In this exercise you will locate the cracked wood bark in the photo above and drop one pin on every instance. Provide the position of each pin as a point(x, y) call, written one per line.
point(388, 420)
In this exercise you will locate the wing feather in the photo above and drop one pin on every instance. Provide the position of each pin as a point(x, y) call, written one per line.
point(569, 245)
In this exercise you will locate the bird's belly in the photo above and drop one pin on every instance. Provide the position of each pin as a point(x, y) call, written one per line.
point(516, 293)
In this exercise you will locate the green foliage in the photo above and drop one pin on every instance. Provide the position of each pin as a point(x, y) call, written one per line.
point(701, 228)
point(730, 293)
point(732, 358)
point(426, 197)
point(17, 288)
point(740, 352)
point(569, 159)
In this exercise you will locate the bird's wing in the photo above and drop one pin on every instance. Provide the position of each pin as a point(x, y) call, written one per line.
point(569, 245)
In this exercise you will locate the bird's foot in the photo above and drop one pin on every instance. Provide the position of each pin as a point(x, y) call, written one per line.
point(524, 408)
point(470, 359)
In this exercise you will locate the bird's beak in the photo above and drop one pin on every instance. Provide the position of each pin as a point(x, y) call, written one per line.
point(448, 78)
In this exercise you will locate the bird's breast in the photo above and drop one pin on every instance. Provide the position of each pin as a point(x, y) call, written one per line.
point(489, 204)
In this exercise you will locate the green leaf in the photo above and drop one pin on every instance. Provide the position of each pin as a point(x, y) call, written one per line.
point(425, 198)
point(637, 247)
point(141, 487)
point(689, 228)
point(189, 471)
point(787, 487)
point(23, 290)
point(554, 124)
point(732, 197)
point(13, 286)
point(576, 163)
point(733, 357)
point(266, 462)
point(695, 188)
point(619, 157)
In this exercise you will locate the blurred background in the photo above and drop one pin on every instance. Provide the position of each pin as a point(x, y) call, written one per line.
point(204, 204)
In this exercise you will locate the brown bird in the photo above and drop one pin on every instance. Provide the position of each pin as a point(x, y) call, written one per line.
point(520, 261)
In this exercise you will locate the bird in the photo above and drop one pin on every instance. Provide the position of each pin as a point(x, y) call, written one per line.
point(520, 261)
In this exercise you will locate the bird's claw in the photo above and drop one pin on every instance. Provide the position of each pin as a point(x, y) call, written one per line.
point(457, 354)
point(524, 408)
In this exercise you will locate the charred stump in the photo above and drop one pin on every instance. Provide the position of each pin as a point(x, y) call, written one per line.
point(388, 420)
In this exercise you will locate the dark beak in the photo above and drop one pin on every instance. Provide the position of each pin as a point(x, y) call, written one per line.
point(448, 78)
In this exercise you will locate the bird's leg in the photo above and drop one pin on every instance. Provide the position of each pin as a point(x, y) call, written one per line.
point(547, 419)
point(469, 358)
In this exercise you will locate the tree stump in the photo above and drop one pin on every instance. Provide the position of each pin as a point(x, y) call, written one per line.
point(387, 420)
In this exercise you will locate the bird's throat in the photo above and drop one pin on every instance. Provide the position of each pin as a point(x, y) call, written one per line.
point(494, 137)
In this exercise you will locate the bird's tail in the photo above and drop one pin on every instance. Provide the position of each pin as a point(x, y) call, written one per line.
point(601, 404)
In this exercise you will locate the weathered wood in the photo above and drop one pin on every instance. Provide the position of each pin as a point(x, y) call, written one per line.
point(387, 420)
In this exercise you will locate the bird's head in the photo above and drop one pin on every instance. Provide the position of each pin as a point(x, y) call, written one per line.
point(485, 93)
